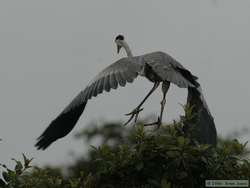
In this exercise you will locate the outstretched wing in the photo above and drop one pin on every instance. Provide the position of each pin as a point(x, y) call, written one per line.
point(119, 73)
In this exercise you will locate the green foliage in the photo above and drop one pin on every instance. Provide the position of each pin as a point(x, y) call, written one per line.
point(137, 157)
point(46, 177)
point(163, 158)
point(13, 178)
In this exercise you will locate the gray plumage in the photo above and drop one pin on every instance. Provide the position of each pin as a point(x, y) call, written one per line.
point(119, 73)
point(127, 69)
point(156, 66)
point(202, 126)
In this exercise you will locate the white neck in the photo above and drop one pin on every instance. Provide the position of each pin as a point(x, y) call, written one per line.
point(127, 49)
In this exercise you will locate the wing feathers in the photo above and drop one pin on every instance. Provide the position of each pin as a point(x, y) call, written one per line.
point(113, 82)
point(120, 72)
point(60, 126)
point(120, 79)
point(96, 88)
point(116, 74)
point(90, 92)
point(126, 77)
point(100, 85)
point(106, 83)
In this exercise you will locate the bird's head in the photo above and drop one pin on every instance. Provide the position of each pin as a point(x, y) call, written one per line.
point(119, 40)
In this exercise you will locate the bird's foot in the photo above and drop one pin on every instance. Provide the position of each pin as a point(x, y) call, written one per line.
point(157, 123)
point(133, 114)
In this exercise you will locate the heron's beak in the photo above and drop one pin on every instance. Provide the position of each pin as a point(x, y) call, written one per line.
point(118, 48)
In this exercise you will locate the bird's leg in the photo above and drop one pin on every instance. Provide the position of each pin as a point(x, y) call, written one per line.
point(134, 113)
point(165, 87)
point(159, 119)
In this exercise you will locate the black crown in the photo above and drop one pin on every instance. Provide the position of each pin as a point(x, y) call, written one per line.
point(119, 37)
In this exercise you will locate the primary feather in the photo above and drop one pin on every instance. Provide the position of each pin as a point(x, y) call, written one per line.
point(118, 73)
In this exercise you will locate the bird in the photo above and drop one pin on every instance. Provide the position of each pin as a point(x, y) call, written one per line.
point(202, 125)
point(158, 67)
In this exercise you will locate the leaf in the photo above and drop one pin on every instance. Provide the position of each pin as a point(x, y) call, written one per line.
point(172, 154)
point(165, 184)
point(153, 182)
point(204, 159)
point(94, 148)
point(26, 161)
point(18, 167)
point(182, 175)
point(245, 144)
point(205, 147)
point(139, 166)
point(180, 140)
point(6, 176)
point(2, 183)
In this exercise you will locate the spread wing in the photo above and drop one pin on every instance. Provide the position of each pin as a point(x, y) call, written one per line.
point(119, 73)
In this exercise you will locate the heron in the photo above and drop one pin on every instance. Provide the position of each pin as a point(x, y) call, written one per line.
point(158, 67)
point(203, 124)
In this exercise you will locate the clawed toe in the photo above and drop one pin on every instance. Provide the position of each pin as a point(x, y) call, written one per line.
point(133, 114)
point(157, 123)
point(135, 111)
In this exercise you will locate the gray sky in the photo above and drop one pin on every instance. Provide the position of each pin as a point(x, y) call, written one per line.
point(50, 50)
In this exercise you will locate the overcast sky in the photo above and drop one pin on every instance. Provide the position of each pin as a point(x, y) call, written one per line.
point(50, 50)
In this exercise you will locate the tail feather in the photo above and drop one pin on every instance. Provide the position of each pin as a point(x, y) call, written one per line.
point(60, 127)
point(204, 122)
